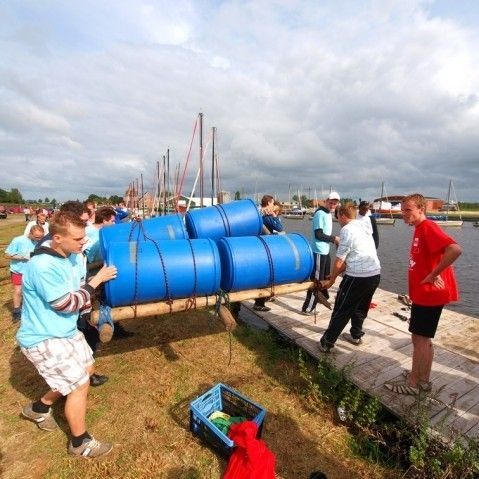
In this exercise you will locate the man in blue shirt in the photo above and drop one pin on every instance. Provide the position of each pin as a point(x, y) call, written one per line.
point(48, 334)
point(18, 252)
point(322, 239)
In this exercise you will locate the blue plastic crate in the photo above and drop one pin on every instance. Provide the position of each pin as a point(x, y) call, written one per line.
point(225, 399)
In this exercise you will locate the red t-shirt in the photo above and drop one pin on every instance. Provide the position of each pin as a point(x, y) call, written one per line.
point(428, 245)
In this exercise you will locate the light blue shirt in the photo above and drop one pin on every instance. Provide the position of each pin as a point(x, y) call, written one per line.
point(23, 246)
point(46, 279)
point(92, 247)
point(324, 221)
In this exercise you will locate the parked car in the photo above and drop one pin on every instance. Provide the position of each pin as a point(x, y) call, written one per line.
point(3, 212)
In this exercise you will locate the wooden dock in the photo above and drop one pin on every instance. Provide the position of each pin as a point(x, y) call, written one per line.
point(453, 406)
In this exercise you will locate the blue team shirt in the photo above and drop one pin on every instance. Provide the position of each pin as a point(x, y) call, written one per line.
point(92, 247)
point(23, 246)
point(46, 279)
point(272, 223)
point(324, 221)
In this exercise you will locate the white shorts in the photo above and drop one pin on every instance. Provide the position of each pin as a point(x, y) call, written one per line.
point(62, 362)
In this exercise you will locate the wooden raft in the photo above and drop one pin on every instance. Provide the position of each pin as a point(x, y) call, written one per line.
point(453, 407)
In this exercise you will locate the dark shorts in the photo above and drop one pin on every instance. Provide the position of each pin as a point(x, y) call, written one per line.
point(322, 266)
point(424, 320)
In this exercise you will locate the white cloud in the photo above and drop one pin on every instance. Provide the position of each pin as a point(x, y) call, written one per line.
point(306, 93)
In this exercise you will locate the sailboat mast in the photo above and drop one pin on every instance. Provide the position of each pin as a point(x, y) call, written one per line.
point(137, 197)
point(167, 186)
point(213, 133)
point(448, 199)
point(142, 197)
point(164, 185)
point(201, 159)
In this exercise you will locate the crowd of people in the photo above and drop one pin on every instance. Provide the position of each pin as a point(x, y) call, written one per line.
point(57, 269)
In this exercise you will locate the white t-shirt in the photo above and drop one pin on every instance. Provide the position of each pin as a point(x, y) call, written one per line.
point(356, 248)
point(367, 221)
point(34, 222)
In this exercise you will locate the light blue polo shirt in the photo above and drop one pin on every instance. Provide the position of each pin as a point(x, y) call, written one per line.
point(324, 221)
point(92, 247)
point(23, 246)
point(46, 279)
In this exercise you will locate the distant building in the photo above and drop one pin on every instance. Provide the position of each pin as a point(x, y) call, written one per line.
point(196, 201)
point(146, 201)
point(393, 203)
point(224, 197)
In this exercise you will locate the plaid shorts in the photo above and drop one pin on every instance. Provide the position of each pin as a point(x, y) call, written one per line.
point(62, 362)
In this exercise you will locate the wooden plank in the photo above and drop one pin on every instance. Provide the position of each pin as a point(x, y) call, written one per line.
point(387, 351)
point(459, 418)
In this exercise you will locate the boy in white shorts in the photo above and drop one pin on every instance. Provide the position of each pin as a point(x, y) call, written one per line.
point(48, 334)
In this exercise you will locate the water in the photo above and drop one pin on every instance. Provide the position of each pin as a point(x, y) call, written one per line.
point(393, 252)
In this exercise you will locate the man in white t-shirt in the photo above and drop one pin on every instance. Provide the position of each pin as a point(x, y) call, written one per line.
point(41, 220)
point(357, 258)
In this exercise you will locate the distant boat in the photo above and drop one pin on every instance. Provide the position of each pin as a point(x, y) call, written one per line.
point(475, 224)
point(451, 204)
point(379, 210)
point(294, 214)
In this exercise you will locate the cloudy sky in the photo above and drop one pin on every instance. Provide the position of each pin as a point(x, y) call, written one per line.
point(304, 94)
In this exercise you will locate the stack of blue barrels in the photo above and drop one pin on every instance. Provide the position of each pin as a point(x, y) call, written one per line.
point(172, 257)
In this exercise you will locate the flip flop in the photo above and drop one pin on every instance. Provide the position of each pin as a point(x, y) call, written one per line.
point(423, 385)
point(400, 316)
point(401, 387)
point(405, 299)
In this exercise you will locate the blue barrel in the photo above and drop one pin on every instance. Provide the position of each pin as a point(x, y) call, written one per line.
point(236, 218)
point(155, 271)
point(257, 261)
point(159, 228)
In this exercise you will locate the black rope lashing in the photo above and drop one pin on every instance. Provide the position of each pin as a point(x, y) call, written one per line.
point(224, 218)
point(169, 299)
point(271, 265)
point(195, 284)
point(134, 226)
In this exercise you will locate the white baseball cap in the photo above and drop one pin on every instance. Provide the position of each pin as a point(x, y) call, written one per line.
point(334, 195)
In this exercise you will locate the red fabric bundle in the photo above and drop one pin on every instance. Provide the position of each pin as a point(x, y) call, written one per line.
point(251, 458)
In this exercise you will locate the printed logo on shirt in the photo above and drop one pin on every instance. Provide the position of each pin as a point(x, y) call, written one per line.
point(415, 245)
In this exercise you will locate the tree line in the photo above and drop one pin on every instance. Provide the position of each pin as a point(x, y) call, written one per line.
point(14, 196)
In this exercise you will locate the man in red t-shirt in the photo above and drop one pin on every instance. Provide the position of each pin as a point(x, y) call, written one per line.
point(432, 285)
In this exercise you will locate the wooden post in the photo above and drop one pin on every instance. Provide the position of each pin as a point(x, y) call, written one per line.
point(154, 309)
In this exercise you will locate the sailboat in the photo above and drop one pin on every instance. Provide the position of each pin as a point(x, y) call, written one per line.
point(451, 204)
point(295, 212)
point(383, 220)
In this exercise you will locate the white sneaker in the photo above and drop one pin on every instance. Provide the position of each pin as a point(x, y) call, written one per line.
point(347, 337)
point(90, 448)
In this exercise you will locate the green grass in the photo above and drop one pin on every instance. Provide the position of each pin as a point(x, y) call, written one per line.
point(144, 407)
